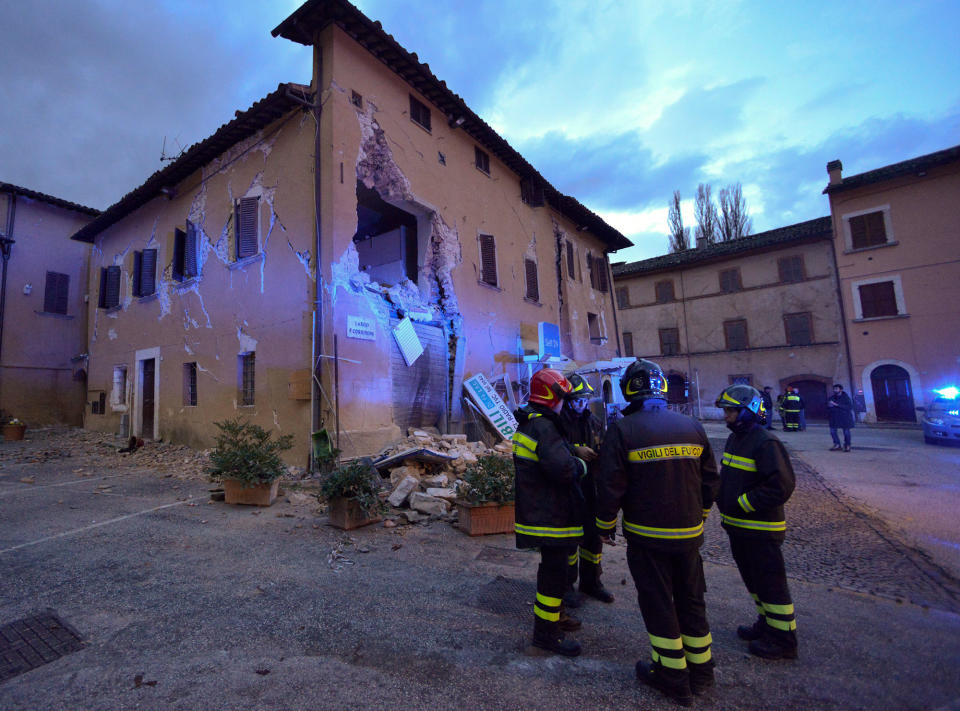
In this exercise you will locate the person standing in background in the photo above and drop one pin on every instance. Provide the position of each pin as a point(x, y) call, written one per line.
point(840, 410)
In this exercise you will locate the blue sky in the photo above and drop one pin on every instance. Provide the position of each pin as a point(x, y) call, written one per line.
point(616, 103)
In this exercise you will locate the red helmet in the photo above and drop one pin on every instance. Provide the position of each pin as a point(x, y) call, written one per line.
point(548, 387)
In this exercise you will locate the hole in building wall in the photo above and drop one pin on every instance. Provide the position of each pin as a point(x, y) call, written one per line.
point(386, 239)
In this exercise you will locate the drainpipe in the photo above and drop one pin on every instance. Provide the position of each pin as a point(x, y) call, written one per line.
point(6, 245)
point(843, 318)
point(316, 379)
point(686, 338)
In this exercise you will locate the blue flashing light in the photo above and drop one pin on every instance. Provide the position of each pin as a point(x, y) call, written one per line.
point(949, 393)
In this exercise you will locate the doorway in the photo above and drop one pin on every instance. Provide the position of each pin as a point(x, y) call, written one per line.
point(892, 394)
point(147, 374)
point(814, 394)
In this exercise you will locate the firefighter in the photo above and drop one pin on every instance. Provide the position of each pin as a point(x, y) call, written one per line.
point(791, 411)
point(582, 430)
point(658, 467)
point(756, 480)
point(549, 505)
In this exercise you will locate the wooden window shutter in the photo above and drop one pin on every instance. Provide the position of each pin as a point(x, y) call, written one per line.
point(593, 276)
point(488, 260)
point(533, 289)
point(179, 245)
point(148, 276)
point(56, 293)
point(102, 299)
point(878, 299)
point(799, 329)
point(628, 344)
point(246, 223)
point(868, 230)
point(623, 297)
point(571, 261)
point(603, 284)
point(109, 287)
point(137, 269)
point(190, 267)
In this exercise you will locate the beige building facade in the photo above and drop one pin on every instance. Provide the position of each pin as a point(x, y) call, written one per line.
point(897, 241)
point(761, 310)
point(341, 256)
point(43, 310)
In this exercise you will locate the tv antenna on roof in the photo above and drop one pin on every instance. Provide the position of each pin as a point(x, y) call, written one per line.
point(163, 151)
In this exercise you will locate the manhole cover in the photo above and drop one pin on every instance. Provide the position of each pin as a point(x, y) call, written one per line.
point(506, 596)
point(503, 556)
point(34, 641)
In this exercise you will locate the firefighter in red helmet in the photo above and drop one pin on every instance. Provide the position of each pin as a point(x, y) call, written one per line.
point(549, 505)
point(657, 466)
point(582, 430)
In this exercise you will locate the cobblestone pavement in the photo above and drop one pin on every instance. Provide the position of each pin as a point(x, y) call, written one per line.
point(832, 540)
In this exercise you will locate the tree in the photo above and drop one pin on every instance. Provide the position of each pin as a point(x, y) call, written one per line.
point(679, 235)
point(733, 221)
point(706, 213)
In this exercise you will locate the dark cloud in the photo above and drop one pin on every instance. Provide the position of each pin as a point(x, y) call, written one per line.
point(91, 89)
point(701, 116)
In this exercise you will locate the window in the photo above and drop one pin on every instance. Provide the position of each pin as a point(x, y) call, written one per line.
point(791, 268)
point(185, 253)
point(144, 272)
point(623, 297)
point(481, 160)
point(247, 364)
point(118, 395)
point(419, 114)
point(533, 289)
point(99, 405)
point(56, 293)
point(730, 281)
point(601, 265)
point(799, 329)
point(109, 287)
point(669, 341)
point(190, 384)
point(741, 379)
point(246, 220)
point(735, 333)
point(878, 299)
point(593, 328)
point(571, 261)
point(627, 344)
point(531, 192)
point(664, 291)
point(355, 99)
point(488, 260)
point(867, 230)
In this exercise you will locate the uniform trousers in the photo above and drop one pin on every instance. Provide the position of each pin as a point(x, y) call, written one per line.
point(551, 583)
point(760, 562)
point(670, 590)
point(585, 560)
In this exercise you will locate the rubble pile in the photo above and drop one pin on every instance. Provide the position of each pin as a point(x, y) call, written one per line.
point(426, 469)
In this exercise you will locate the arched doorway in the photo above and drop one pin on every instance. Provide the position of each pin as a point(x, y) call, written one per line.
point(892, 394)
point(814, 394)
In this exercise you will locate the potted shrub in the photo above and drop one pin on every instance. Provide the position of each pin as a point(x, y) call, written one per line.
point(353, 492)
point(14, 429)
point(486, 503)
point(247, 459)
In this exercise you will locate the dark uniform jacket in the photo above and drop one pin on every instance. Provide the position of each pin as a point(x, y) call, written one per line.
point(658, 467)
point(756, 479)
point(792, 403)
point(841, 412)
point(581, 430)
point(548, 498)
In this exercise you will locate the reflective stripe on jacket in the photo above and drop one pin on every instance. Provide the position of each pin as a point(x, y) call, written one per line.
point(756, 480)
point(658, 467)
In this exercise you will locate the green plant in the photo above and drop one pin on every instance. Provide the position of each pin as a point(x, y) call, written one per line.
point(357, 480)
point(491, 479)
point(247, 453)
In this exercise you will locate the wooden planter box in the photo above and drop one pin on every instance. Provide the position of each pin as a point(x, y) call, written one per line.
point(347, 514)
point(14, 432)
point(485, 519)
point(235, 492)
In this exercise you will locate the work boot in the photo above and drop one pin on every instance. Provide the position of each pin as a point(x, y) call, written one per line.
point(568, 623)
point(769, 647)
point(754, 631)
point(597, 591)
point(651, 675)
point(548, 636)
point(701, 677)
point(846, 448)
point(572, 599)
point(836, 448)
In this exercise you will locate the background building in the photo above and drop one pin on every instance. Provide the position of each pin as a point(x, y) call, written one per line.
point(43, 310)
point(897, 241)
point(761, 310)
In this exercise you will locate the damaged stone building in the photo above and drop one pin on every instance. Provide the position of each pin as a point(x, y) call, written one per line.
point(340, 256)
point(43, 310)
point(761, 310)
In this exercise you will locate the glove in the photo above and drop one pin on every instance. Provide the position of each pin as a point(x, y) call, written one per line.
point(585, 453)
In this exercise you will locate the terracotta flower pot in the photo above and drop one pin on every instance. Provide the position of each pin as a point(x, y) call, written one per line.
point(485, 519)
point(262, 494)
point(12, 433)
point(347, 514)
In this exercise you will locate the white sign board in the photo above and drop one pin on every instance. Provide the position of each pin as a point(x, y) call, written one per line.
point(407, 340)
point(492, 406)
point(362, 328)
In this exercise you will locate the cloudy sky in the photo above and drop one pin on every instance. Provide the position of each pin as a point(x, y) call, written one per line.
point(618, 103)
